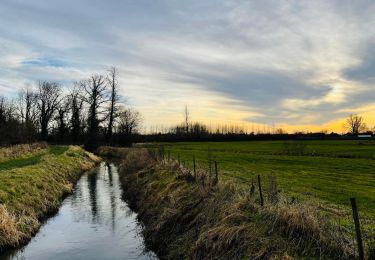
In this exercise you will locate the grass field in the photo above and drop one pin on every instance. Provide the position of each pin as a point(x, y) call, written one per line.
point(327, 171)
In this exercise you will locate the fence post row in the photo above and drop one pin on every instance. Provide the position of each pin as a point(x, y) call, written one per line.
point(357, 228)
point(273, 195)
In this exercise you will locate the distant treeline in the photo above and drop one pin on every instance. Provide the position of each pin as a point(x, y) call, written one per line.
point(201, 132)
point(89, 113)
point(195, 131)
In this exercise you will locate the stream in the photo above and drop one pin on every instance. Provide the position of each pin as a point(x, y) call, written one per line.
point(92, 223)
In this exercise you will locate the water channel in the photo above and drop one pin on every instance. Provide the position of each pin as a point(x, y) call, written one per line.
point(92, 223)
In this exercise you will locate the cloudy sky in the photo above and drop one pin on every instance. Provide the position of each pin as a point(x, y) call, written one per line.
point(297, 64)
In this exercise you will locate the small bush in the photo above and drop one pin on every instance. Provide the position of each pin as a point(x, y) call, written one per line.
point(112, 152)
point(137, 159)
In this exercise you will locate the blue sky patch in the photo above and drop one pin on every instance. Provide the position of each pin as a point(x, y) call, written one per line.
point(45, 62)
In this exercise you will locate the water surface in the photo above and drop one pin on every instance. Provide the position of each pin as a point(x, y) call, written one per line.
point(92, 223)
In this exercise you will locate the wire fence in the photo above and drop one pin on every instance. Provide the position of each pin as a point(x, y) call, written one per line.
point(353, 226)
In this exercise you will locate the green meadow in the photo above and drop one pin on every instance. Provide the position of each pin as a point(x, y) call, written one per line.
point(329, 172)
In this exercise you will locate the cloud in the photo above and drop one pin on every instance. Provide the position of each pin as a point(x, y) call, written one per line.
point(45, 62)
point(286, 62)
point(365, 71)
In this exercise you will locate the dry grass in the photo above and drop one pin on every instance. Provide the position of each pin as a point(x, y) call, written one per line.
point(21, 151)
point(112, 152)
point(137, 159)
point(9, 234)
point(28, 194)
point(192, 218)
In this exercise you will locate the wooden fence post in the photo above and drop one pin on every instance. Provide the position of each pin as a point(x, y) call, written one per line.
point(357, 228)
point(169, 155)
point(216, 173)
point(161, 152)
point(260, 191)
point(209, 167)
point(194, 167)
point(252, 188)
point(272, 192)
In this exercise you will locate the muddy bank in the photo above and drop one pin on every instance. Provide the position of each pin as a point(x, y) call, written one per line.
point(187, 217)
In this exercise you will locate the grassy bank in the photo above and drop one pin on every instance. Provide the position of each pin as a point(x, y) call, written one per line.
point(189, 217)
point(33, 185)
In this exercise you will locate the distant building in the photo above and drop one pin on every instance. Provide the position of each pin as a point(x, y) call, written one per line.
point(364, 136)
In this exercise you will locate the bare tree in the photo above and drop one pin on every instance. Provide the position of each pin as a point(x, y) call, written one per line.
point(2, 111)
point(61, 118)
point(48, 99)
point(95, 96)
point(187, 120)
point(129, 122)
point(280, 131)
point(198, 130)
point(355, 124)
point(9, 123)
point(27, 112)
point(114, 98)
point(76, 117)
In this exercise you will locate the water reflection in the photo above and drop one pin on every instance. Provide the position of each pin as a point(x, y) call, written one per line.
point(112, 195)
point(91, 183)
point(93, 223)
point(109, 168)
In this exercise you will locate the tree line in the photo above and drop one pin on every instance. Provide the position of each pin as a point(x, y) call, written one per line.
point(91, 112)
point(188, 130)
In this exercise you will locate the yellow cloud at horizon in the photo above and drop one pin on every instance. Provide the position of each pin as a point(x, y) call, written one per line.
point(222, 117)
point(235, 118)
point(337, 125)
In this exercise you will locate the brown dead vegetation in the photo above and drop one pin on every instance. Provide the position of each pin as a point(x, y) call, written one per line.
point(22, 150)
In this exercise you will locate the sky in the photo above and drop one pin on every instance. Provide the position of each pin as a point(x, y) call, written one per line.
point(297, 64)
